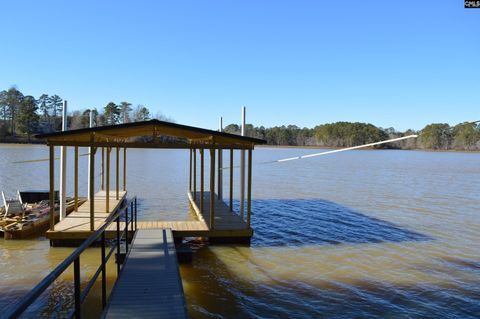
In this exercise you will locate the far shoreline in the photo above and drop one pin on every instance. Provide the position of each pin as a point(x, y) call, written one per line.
point(367, 148)
point(313, 147)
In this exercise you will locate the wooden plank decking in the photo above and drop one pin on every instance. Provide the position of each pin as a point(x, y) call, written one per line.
point(227, 223)
point(224, 218)
point(149, 285)
point(77, 224)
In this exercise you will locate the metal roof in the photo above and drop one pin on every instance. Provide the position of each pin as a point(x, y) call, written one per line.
point(122, 135)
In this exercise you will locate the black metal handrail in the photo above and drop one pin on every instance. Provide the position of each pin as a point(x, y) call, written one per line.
point(79, 296)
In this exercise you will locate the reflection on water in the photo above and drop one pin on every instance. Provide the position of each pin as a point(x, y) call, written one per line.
point(382, 234)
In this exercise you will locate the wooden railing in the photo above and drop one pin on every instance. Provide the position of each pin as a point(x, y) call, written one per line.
point(129, 210)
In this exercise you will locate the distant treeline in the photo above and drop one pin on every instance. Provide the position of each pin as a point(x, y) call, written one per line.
point(23, 115)
point(438, 136)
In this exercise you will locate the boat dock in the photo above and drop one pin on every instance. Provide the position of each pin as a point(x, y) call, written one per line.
point(148, 282)
point(149, 285)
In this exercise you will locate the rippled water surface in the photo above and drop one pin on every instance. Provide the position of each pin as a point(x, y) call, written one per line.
point(363, 234)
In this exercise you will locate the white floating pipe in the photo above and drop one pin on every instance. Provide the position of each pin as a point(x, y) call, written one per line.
point(345, 149)
point(63, 167)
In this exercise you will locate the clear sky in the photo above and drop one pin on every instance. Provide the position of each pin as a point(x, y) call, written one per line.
point(391, 63)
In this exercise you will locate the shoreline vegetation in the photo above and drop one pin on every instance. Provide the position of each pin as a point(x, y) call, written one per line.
point(22, 116)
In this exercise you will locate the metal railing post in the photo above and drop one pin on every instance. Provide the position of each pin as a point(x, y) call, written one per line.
point(136, 217)
point(126, 230)
point(118, 245)
point(104, 274)
point(76, 278)
point(131, 216)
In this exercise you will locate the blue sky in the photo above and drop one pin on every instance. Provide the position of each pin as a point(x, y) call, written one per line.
point(391, 63)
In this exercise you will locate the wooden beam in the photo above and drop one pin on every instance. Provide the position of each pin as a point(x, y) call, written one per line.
point(249, 188)
point(92, 183)
point(124, 169)
point(149, 145)
point(103, 169)
point(201, 180)
point(117, 172)
point(75, 183)
point(212, 188)
point(194, 173)
point(107, 190)
point(231, 179)
point(52, 187)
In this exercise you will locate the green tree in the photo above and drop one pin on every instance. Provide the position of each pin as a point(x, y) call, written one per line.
point(13, 99)
point(55, 106)
point(44, 106)
point(112, 113)
point(3, 108)
point(436, 136)
point(347, 134)
point(27, 117)
point(141, 113)
point(125, 109)
point(466, 136)
point(232, 129)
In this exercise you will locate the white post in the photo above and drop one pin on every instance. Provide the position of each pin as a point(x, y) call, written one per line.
point(63, 167)
point(220, 163)
point(242, 168)
point(89, 159)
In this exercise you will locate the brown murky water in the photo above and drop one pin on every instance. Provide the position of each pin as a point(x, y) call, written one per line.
point(364, 234)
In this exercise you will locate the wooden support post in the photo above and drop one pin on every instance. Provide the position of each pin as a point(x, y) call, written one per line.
point(249, 188)
point(52, 187)
point(194, 174)
point(117, 173)
point(220, 174)
point(212, 188)
point(75, 183)
point(92, 183)
point(190, 173)
point(124, 169)
point(201, 180)
point(103, 169)
point(107, 190)
point(231, 180)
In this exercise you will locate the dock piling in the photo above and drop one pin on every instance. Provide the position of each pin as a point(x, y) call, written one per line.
point(52, 187)
point(202, 183)
point(212, 188)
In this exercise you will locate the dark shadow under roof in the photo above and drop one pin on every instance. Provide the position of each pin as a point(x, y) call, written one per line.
point(179, 136)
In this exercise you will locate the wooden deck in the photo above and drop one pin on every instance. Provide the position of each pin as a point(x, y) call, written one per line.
point(149, 285)
point(77, 224)
point(227, 224)
point(224, 218)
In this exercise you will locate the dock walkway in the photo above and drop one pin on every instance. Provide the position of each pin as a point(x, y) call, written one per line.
point(149, 285)
point(76, 225)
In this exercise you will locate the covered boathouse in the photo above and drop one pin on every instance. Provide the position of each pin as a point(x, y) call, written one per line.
point(216, 218)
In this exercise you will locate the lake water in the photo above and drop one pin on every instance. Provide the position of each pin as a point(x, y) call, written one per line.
point(361, 234)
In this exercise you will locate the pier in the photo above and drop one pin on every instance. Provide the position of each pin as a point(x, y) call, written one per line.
point(150, 284)
point(148, 281)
